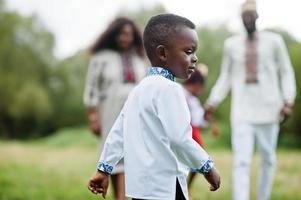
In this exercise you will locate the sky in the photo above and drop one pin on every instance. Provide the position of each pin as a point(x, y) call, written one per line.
point(77, 23)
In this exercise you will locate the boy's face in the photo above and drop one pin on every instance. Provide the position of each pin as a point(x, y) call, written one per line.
point(198, 90)
point(181, 52)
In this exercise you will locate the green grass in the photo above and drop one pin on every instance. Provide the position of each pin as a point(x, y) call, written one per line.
point(58, 168)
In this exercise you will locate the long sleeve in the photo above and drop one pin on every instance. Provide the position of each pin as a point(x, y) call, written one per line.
point(197, 113)
point(175, 118)
point(223, 83)
point(91, 91)
point(287, 76)
point(113, 148)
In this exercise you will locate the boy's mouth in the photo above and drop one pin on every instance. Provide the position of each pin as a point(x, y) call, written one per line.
point(191, 69)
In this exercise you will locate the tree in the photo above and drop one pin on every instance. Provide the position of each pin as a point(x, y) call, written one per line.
point(25, 62)
point(67, 85)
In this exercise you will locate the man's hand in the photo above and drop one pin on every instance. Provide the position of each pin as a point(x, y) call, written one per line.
point(286, 111)
point(99, 183)
point(213, 178)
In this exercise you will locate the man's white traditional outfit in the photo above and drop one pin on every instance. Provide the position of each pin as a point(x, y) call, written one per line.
point(261, 79)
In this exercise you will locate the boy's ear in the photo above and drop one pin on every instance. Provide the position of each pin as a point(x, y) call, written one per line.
point(161, 52)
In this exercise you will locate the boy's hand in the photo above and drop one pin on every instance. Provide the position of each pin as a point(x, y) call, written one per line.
point(215, 131)
point(213, 178)
point(208, 112)
point(99, 183)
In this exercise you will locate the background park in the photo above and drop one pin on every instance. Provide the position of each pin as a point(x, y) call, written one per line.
point(46, 148)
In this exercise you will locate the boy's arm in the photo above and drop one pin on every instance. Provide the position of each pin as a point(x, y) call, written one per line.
point(174, 115)
point(197, 113)
point(111, 154)
point(113, 147)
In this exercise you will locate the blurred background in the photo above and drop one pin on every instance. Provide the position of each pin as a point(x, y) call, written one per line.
point(46, 148)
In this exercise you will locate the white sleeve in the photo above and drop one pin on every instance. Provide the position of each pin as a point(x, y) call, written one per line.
point(113, 147)
point(91, 90)
point(223, 83)
point(197, 113)
point(175, 118)
point(287, 76)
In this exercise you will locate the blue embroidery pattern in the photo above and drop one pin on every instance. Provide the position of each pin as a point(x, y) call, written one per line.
point(101, 166)
point(205, 168)
point(160, 71)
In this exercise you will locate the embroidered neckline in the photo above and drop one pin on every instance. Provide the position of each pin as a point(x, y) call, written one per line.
point(160, 71)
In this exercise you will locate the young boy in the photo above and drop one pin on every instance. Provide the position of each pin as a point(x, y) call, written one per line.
point(193, 88)
point(153, 132)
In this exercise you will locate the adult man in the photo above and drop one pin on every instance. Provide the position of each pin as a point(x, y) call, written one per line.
point(257, 69)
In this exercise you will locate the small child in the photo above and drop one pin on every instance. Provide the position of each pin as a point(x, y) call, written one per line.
point(194, 87)
point(153, 133)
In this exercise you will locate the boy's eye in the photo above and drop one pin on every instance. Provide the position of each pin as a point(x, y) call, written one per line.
point(188, 52)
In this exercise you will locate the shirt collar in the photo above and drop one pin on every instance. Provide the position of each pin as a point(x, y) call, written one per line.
point(160, 71)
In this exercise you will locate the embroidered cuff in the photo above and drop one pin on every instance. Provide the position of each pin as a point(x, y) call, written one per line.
point(104, 167)
point(205, 168)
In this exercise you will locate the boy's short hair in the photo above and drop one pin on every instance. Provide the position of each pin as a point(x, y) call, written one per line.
point(160, 29)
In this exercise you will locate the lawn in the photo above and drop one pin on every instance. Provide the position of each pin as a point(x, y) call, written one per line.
point(58, 167)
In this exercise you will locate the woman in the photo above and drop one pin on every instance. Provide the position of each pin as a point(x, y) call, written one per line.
point(116, 65)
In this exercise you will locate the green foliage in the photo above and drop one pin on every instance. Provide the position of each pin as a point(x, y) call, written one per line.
point(295, 52)
point(76, 137)
point(67, 85)
point(293, 126)
point(25, 54)
point(31, 101)
point(38, 93)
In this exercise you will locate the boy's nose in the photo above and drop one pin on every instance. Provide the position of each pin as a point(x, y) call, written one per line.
point(194, 59)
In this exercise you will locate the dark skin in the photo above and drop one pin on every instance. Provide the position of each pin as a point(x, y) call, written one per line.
point(93, 118)
point(125, 38)
point(196, 89)
point(179, 58)
point(249, 19)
